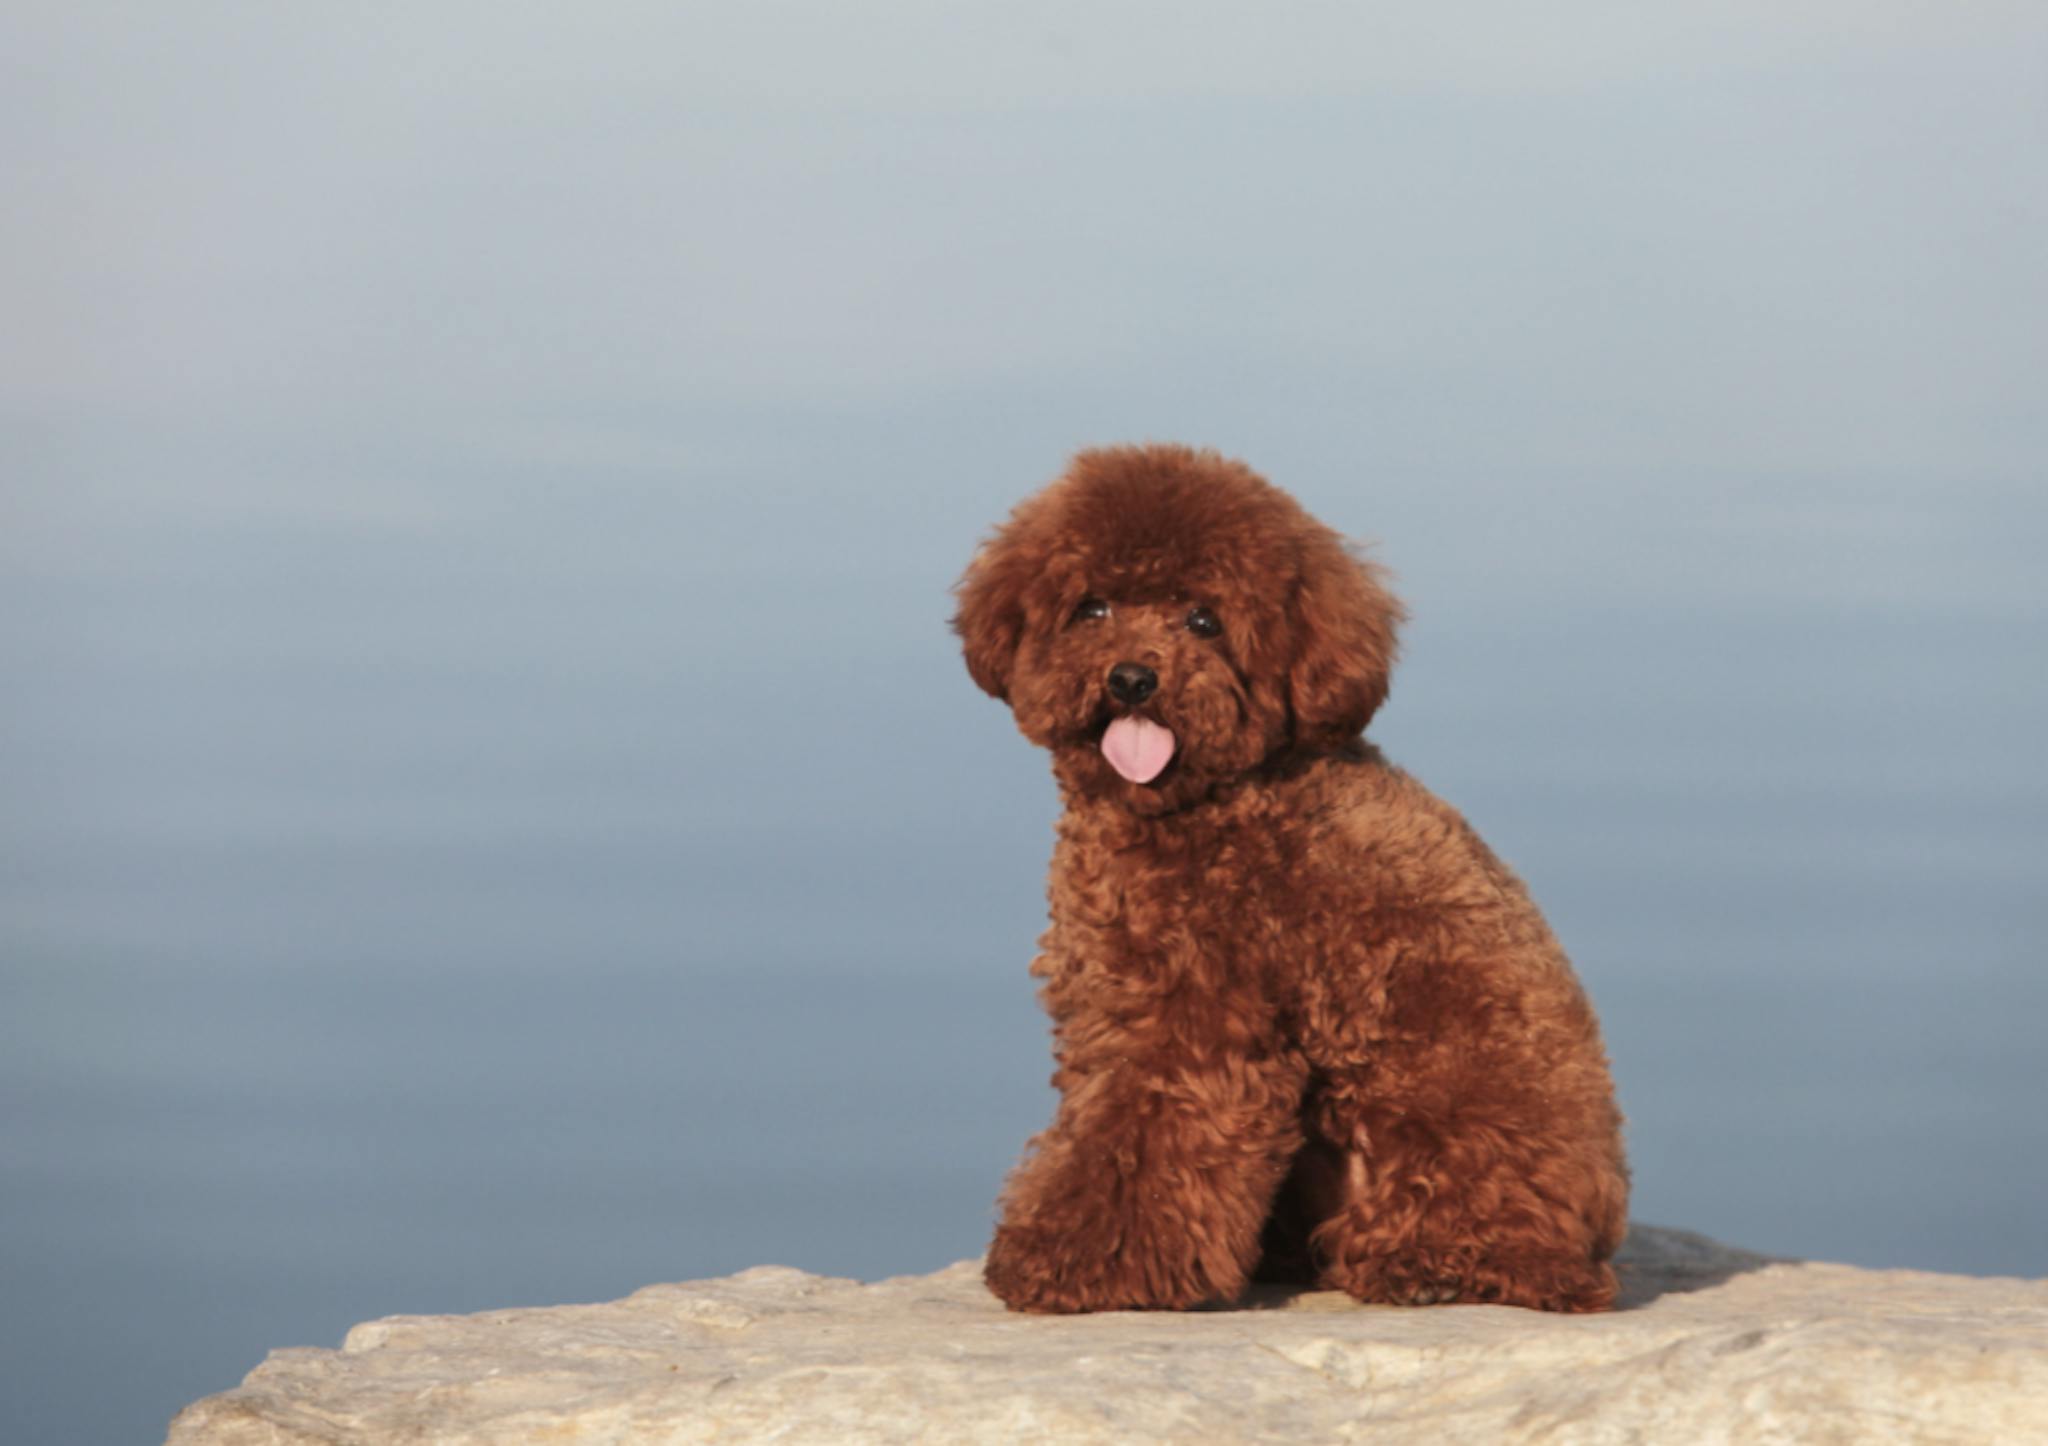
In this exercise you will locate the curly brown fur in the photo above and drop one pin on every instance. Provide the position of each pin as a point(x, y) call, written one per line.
point(1306, 1024)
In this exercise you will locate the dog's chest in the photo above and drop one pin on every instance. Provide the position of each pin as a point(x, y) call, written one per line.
point(1208, 910)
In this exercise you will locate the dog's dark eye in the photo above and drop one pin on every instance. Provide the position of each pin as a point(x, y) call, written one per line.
point(1203, 623)
point(1091, 608)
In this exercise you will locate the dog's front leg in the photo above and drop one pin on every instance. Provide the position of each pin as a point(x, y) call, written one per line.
point(1152, 1184)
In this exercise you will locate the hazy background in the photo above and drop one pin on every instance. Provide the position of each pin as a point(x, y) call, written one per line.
point(490, 812)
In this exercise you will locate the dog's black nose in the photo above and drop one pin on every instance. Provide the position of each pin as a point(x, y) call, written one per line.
point(1132, 682)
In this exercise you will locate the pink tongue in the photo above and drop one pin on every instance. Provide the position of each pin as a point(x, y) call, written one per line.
point(1137, 748)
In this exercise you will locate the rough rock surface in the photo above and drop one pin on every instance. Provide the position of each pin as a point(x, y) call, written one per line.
point(1710, 1344)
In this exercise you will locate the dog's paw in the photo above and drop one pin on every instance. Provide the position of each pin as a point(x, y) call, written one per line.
point(1535, 1281)
point(1027, 1271)
point(1054, 1273)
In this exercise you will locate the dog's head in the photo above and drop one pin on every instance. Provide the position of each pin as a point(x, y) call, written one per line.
point(1165, 620)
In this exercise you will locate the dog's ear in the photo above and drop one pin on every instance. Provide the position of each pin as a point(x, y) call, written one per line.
point(990, 618)
point(1344, 621)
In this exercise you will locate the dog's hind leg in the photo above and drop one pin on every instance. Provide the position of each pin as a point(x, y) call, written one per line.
point(1448, 1208)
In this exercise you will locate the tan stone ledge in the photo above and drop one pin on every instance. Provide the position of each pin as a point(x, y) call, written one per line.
point(1710, 1344)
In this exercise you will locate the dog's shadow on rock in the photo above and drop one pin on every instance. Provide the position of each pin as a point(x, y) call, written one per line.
point(1654, 1261)
point(1657, 1261)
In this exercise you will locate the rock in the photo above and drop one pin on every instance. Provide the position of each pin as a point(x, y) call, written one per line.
point(1709, 1344)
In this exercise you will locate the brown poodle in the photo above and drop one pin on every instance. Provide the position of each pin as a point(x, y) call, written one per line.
point(1307, 1026)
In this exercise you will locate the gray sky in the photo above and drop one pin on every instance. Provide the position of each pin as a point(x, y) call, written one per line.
point(359, 358)
point(1750, 238)
point(591, 394)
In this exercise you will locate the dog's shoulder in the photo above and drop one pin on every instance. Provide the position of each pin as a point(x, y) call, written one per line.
point(1415, 847)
